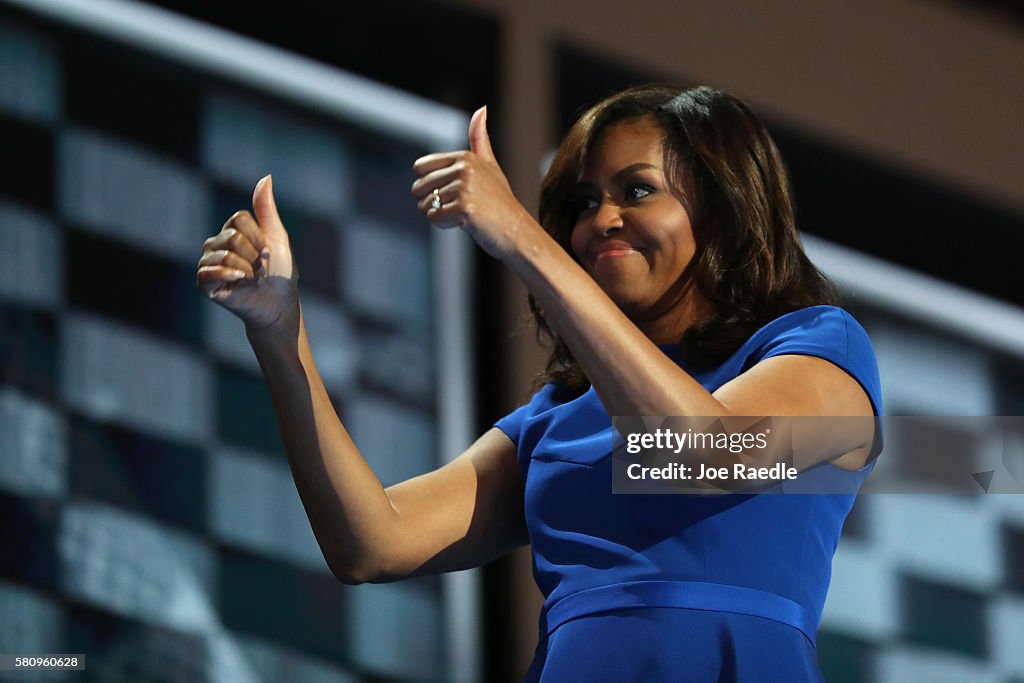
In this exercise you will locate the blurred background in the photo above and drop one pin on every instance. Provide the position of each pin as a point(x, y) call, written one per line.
point(147, 516)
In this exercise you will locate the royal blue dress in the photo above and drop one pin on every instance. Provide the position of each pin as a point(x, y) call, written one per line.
point(674, 587)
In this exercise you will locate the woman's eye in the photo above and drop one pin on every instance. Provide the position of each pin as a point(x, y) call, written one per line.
point(581, 204)
point(638, 191)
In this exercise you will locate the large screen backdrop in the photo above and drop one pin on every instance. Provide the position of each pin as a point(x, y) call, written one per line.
point(148, 515)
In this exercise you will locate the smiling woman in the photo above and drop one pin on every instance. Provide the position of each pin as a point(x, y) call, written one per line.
point(642, 268)
point(667, 272)
point(716, 159)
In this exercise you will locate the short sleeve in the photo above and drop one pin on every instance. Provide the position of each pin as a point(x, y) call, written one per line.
point(829, 333)
point(512, 424)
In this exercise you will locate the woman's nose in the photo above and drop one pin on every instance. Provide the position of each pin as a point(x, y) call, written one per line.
point(607, 218)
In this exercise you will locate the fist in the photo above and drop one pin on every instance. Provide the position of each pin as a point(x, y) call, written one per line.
point(468, 189)
point(248, 266)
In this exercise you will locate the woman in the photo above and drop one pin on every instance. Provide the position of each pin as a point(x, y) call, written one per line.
point(669, 279)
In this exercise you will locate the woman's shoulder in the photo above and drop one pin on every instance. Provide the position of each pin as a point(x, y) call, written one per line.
point(541, 400)
point(823, 328)
point(811, 317)
point(827, 332)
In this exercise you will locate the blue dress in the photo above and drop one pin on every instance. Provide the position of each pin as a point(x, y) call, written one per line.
point(674, 587)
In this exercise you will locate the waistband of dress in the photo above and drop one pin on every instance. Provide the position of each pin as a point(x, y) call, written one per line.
point(717, 597)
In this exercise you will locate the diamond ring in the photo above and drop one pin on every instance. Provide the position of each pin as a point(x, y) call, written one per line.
point(435, 203)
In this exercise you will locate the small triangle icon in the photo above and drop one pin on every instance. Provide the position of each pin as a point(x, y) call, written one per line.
point(984, 479)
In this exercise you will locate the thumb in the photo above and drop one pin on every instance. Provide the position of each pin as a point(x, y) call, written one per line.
point(479, 141)
point(265, 208)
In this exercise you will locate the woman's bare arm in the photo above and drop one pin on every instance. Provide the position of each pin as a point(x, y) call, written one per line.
point(463, 514)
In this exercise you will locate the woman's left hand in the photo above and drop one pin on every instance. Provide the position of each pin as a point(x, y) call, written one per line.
point(472, 192)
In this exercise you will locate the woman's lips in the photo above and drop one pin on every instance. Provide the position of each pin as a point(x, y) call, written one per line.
point(613, 250)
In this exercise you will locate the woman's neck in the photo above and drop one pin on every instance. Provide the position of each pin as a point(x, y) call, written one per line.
point(669, 327)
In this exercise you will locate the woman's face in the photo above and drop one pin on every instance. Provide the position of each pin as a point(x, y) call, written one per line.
point(633, 235)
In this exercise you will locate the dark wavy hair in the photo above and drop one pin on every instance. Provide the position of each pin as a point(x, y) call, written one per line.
point(723, 165)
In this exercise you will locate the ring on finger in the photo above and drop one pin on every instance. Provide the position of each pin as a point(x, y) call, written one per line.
point(435, 203)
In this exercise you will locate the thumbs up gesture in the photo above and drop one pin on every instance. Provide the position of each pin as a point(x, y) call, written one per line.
point(468, 189)
point(248, 267)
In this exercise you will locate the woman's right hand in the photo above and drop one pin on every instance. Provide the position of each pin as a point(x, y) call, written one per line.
point(248, 266)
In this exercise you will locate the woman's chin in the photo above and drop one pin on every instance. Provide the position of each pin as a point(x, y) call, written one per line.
point(625, 291)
